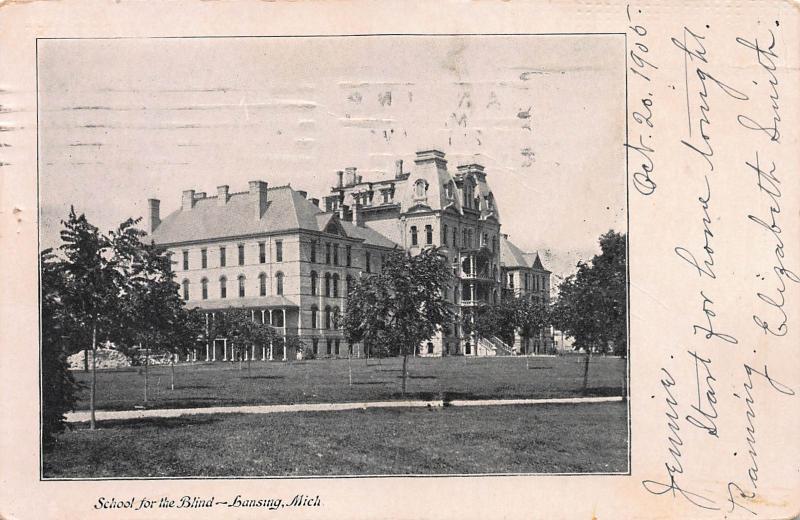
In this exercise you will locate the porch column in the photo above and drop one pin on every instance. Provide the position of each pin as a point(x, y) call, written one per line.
point(253, 352)
point(263, 353)
point(283, 311)
point(225, 349)
point(207, 351)
point(214, 350)
point(270, 351)
point(262, 316)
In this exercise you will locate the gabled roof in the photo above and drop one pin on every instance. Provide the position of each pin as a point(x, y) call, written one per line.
point(510, 255)
point(513, 257)
point(368, 235)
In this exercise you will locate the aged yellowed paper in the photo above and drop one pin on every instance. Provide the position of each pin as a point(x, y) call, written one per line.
point(384, 260)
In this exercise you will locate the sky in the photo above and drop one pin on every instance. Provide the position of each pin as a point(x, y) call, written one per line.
point(124, 120)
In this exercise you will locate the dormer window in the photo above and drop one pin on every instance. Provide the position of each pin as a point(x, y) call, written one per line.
point(448, 190)
point(420, 189)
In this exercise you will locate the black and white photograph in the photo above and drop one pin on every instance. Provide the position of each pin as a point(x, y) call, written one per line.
point(329, 256)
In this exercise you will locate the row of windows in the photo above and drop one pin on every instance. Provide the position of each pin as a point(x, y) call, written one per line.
point(223, 260)
point(223, 286)
point(332, 317)
point(332, 346)
point(332, 254)
point(331, 284)
point(538, 282)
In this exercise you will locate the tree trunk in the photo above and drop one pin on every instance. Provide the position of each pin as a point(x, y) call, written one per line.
point(586, 371)
point(172, 374)
point(85, 360)
point(146, 368)
point(249, 359)
point(92, 422)
point(405, 372)
point(349, 369)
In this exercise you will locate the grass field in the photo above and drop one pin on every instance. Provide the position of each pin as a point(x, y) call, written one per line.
point(491, 439)
point(321, 381)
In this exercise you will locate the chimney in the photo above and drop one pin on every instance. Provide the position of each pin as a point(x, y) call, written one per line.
point(398, 168)
point(315, 202)
point(339, 182)
point(303, 194)
point(358, 179)
point(358, 216)
point(351, 176)
point(473, 168)
point(154, 213)
point(258, 193)
point(187, 200)
point(222, 195)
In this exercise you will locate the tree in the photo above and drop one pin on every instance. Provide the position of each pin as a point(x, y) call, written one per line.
point(90, 288)
point(151, 311)
point(59, 389)
point(245, 334)
point(400, 307)
point(592, 303)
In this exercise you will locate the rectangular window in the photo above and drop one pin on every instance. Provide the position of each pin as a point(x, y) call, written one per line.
point(444, 235)
point(262, 253)
point(349, 255)
point(327, 253)
point(336, 343)
point(313, 252)
point(328, 344)
point(241, 254)
point(241, 287)
point(223, 288)
point(186, 260)
point(222, 257)
point(367, 262)
point(413, 235)
point(204, 258)
point(428, 234)
point(455, 237)
point(335, 254)
point(279, 251)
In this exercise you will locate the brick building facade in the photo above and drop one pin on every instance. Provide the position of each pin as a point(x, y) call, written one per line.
point(277, 253)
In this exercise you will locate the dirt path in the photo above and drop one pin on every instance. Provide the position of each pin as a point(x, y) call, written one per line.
point(123, 415)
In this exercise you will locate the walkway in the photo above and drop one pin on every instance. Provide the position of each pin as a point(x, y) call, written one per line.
point(124, 415)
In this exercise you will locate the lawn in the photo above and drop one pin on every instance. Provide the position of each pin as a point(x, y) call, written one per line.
point(486, 439)
point(322, 381)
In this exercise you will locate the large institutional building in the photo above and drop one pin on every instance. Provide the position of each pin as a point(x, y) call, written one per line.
point(290, 260)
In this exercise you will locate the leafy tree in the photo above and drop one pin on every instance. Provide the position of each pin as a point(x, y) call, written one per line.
point(59, 389)
point(592, 303)
point(400, 307)
point(91, 286)
point(246, 334)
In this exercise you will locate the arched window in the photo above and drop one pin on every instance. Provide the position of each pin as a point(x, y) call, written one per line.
point(448, 190)
point(348, 285)
point(223, 287)
point(204, 287)
point(413, 235)
point(335, 318)
point(327, 284)
point(314, 312)
point(429, 234)
point(279, 283)
point(262, 284)
point(335, 285)
point(420, 187)
point(185, 289)
point(327, 316)
point(313, 283)
point(241, 286)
